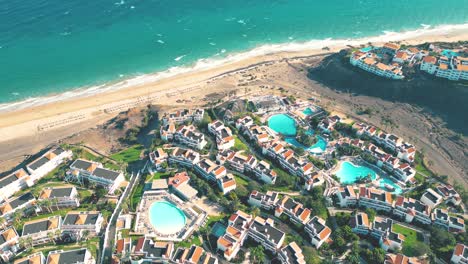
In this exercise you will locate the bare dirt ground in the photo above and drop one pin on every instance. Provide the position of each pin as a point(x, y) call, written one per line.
point(284, 76)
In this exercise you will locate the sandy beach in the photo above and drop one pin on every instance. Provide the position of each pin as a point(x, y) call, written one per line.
point(30, 128)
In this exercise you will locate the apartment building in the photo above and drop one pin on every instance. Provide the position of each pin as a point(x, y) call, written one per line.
point(460, 254)
point(442, 219)
point(296, 211)
point(158, 158)
point(291, 253)
point(149, 250)
point(25, 201)
point(13, 183)
point(185, 115)
point(50, 160)
point(410, 209)
point(360, 224)
point(227, 183)
point(184, 157)
point(346, 196)
point(376, 199)
point(95, 173)
point(187, 135)
point(314, 180)
point(449, 194)
point(264, 232)
point(60, 197)
point(82, 256)
point(264, 172)
point(42, 230)
point(179, 184)
point(36, 258)
point(235, 235)
point(193, 255)
point(266, 201)
point(77, 222)
point(318, 231)
point(224, 138)
point(431, 198)
point(209, 170)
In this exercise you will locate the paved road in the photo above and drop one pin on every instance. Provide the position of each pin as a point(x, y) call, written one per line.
point(111, 226)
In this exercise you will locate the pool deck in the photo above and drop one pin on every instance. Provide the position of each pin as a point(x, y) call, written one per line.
point(194, 214)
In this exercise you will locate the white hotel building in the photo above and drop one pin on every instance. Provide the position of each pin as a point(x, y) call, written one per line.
point(369, 62)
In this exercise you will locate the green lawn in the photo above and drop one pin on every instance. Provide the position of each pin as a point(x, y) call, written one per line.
point(161, 175)
point(195, 240)
point(420, 167)
point(241, 181)
point(239, 145)
point(411, 235)
point(136, 196)
point(128, 155)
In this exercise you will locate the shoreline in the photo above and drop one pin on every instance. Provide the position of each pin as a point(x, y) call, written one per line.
point(68, 111)
point(303, 49)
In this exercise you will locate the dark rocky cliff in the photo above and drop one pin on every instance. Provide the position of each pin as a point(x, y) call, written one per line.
point(441, 97)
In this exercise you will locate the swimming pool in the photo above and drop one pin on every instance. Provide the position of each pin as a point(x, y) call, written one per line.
point(308, 111)
point(349, 173)
point(283, 124)
point(166, 218)
point(449, 53)
point(317, 148)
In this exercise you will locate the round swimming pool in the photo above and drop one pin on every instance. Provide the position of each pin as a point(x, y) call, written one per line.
point(283, 124)
point(166, 218)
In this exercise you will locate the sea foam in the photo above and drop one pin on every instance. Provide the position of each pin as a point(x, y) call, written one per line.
point(216, 61)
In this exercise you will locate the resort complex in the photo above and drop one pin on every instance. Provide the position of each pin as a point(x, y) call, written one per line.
point(389, 60)
point(281, 181)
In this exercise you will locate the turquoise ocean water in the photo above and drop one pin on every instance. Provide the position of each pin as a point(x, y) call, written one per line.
point(52, 46)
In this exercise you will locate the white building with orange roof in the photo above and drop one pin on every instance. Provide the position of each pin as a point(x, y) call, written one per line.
point(390, 48)
point(224, 138)
point(77, 222)
point(180, 185)
point(167, 132)
point(193, 255)
point(406, 152)
point(264, 172)
point(314, 180)
point(392, 241)
point(431, 198)
point(449, 194)
point(429, 64)
point(460, 254)
point(266, 201)
point(25, 201)
point(209, 170)
point(63, 196)
point(318, 231)
point(189, 136)
point(412, 210)
point(239, 162)
point(95, 173)
point(158, 158)
point(185, 157)
point(404, 172)
point(227, 183)
point(291, 253)
point(402, 56)
point(36, 258)
point(149, 250)
point(82, 256)
point(376, 199)
point(263, 231)
point(185, 115)
point(40, 229)
point(13, 183)
point(8, 240)
point(346, 196)
point(296, 211)
point(244, 122)
point(47, 163)
point(370, 62)
point(401, 259)
point(260, 134)
point(451, 223)
point(235, 235)
point(360, 223)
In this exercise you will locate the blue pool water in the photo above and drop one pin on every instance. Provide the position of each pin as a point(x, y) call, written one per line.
point(317, 148)
point(367, 49)
point(308, 111)
point(283, 124)
point(349, 173)
point(449, 53)
point(166, 218)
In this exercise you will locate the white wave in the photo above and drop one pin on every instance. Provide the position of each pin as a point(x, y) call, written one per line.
point(132, 7)
point(241, 21)
point(15, 94)
point(425, 26)
point(65, 33)
point(212, 44)
point(179, 58)
point(210, 63)
point(159, 35)
point(160, 41)
point(122, 2)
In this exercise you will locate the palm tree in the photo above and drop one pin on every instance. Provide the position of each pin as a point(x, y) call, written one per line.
point(85, 235)
point(22, 242)
point(257, 255)
point(17, 215)
point(2, 222)
point(255, 212)
point(51, 236)
point(55, 201)
point(29, 241)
